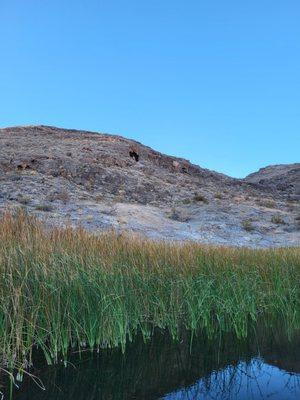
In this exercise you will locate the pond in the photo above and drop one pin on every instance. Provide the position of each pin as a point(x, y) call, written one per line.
point(266, 365)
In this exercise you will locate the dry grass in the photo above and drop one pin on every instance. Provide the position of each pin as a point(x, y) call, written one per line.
point(268, 203)
point(62, 288)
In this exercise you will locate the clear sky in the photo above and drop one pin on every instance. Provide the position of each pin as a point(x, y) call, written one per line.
point(217, 82)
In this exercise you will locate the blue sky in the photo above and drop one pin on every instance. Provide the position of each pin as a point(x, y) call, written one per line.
point(217, 82)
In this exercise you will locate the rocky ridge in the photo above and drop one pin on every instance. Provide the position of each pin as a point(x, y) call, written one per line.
point(282, 177)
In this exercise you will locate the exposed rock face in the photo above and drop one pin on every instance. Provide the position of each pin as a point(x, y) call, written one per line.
point(101, 181)
point(285, 178)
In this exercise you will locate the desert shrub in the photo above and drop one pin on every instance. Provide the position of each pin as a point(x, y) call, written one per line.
point(44, 207)
point(200, 198)
point(99, 198)
point(23, 199)
point(247, 224)
point(268, 203)
point(276, 219)
point(178, 214)
point(186, 201)
point(219, 195)
point(63, 196)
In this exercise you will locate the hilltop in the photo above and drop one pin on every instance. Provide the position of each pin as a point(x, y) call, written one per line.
point(283, 177)
point(102, 181)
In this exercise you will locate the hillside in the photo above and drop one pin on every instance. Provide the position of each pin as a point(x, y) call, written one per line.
point(103, 181)
point(283, 177)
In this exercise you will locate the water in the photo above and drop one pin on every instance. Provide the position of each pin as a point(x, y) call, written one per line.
point(265, 366)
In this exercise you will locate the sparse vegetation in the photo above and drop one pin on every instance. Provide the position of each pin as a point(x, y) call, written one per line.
point(66, 288)
point(186, 201)
point(201, 198)
point(247, 224)
point(25, 200)
point(110, 210)
point(99, 198)
point(268, 203)
point(44, 207)
point(63, 196)
point(278, 220)
point(178, 214)
point(219, 195)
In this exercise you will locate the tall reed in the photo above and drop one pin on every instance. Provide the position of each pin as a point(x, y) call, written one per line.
point(63, 289)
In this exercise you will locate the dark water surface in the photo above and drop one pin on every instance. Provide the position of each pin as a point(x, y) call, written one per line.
point(265, 366)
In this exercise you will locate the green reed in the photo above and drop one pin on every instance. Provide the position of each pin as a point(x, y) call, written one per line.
point(64, 289)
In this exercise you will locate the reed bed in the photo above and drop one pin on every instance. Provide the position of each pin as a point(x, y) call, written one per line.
point(64, 289)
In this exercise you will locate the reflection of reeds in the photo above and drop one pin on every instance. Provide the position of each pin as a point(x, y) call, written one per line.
point(63, 287)
point(251, 380)
point(216, 368)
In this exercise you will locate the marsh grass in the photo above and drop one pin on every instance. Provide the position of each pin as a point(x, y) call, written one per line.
point(65, 289)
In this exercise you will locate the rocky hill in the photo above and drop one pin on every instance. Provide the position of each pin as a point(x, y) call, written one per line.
point(283, 177)
point(103, 181)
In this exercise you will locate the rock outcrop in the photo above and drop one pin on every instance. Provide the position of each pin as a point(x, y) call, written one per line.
point(283, 177)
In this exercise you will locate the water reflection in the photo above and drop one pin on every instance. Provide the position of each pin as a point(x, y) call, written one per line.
point(253, 380)
point(265, 366)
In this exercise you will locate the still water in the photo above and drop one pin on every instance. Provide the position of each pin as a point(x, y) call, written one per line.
point(265, 366)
